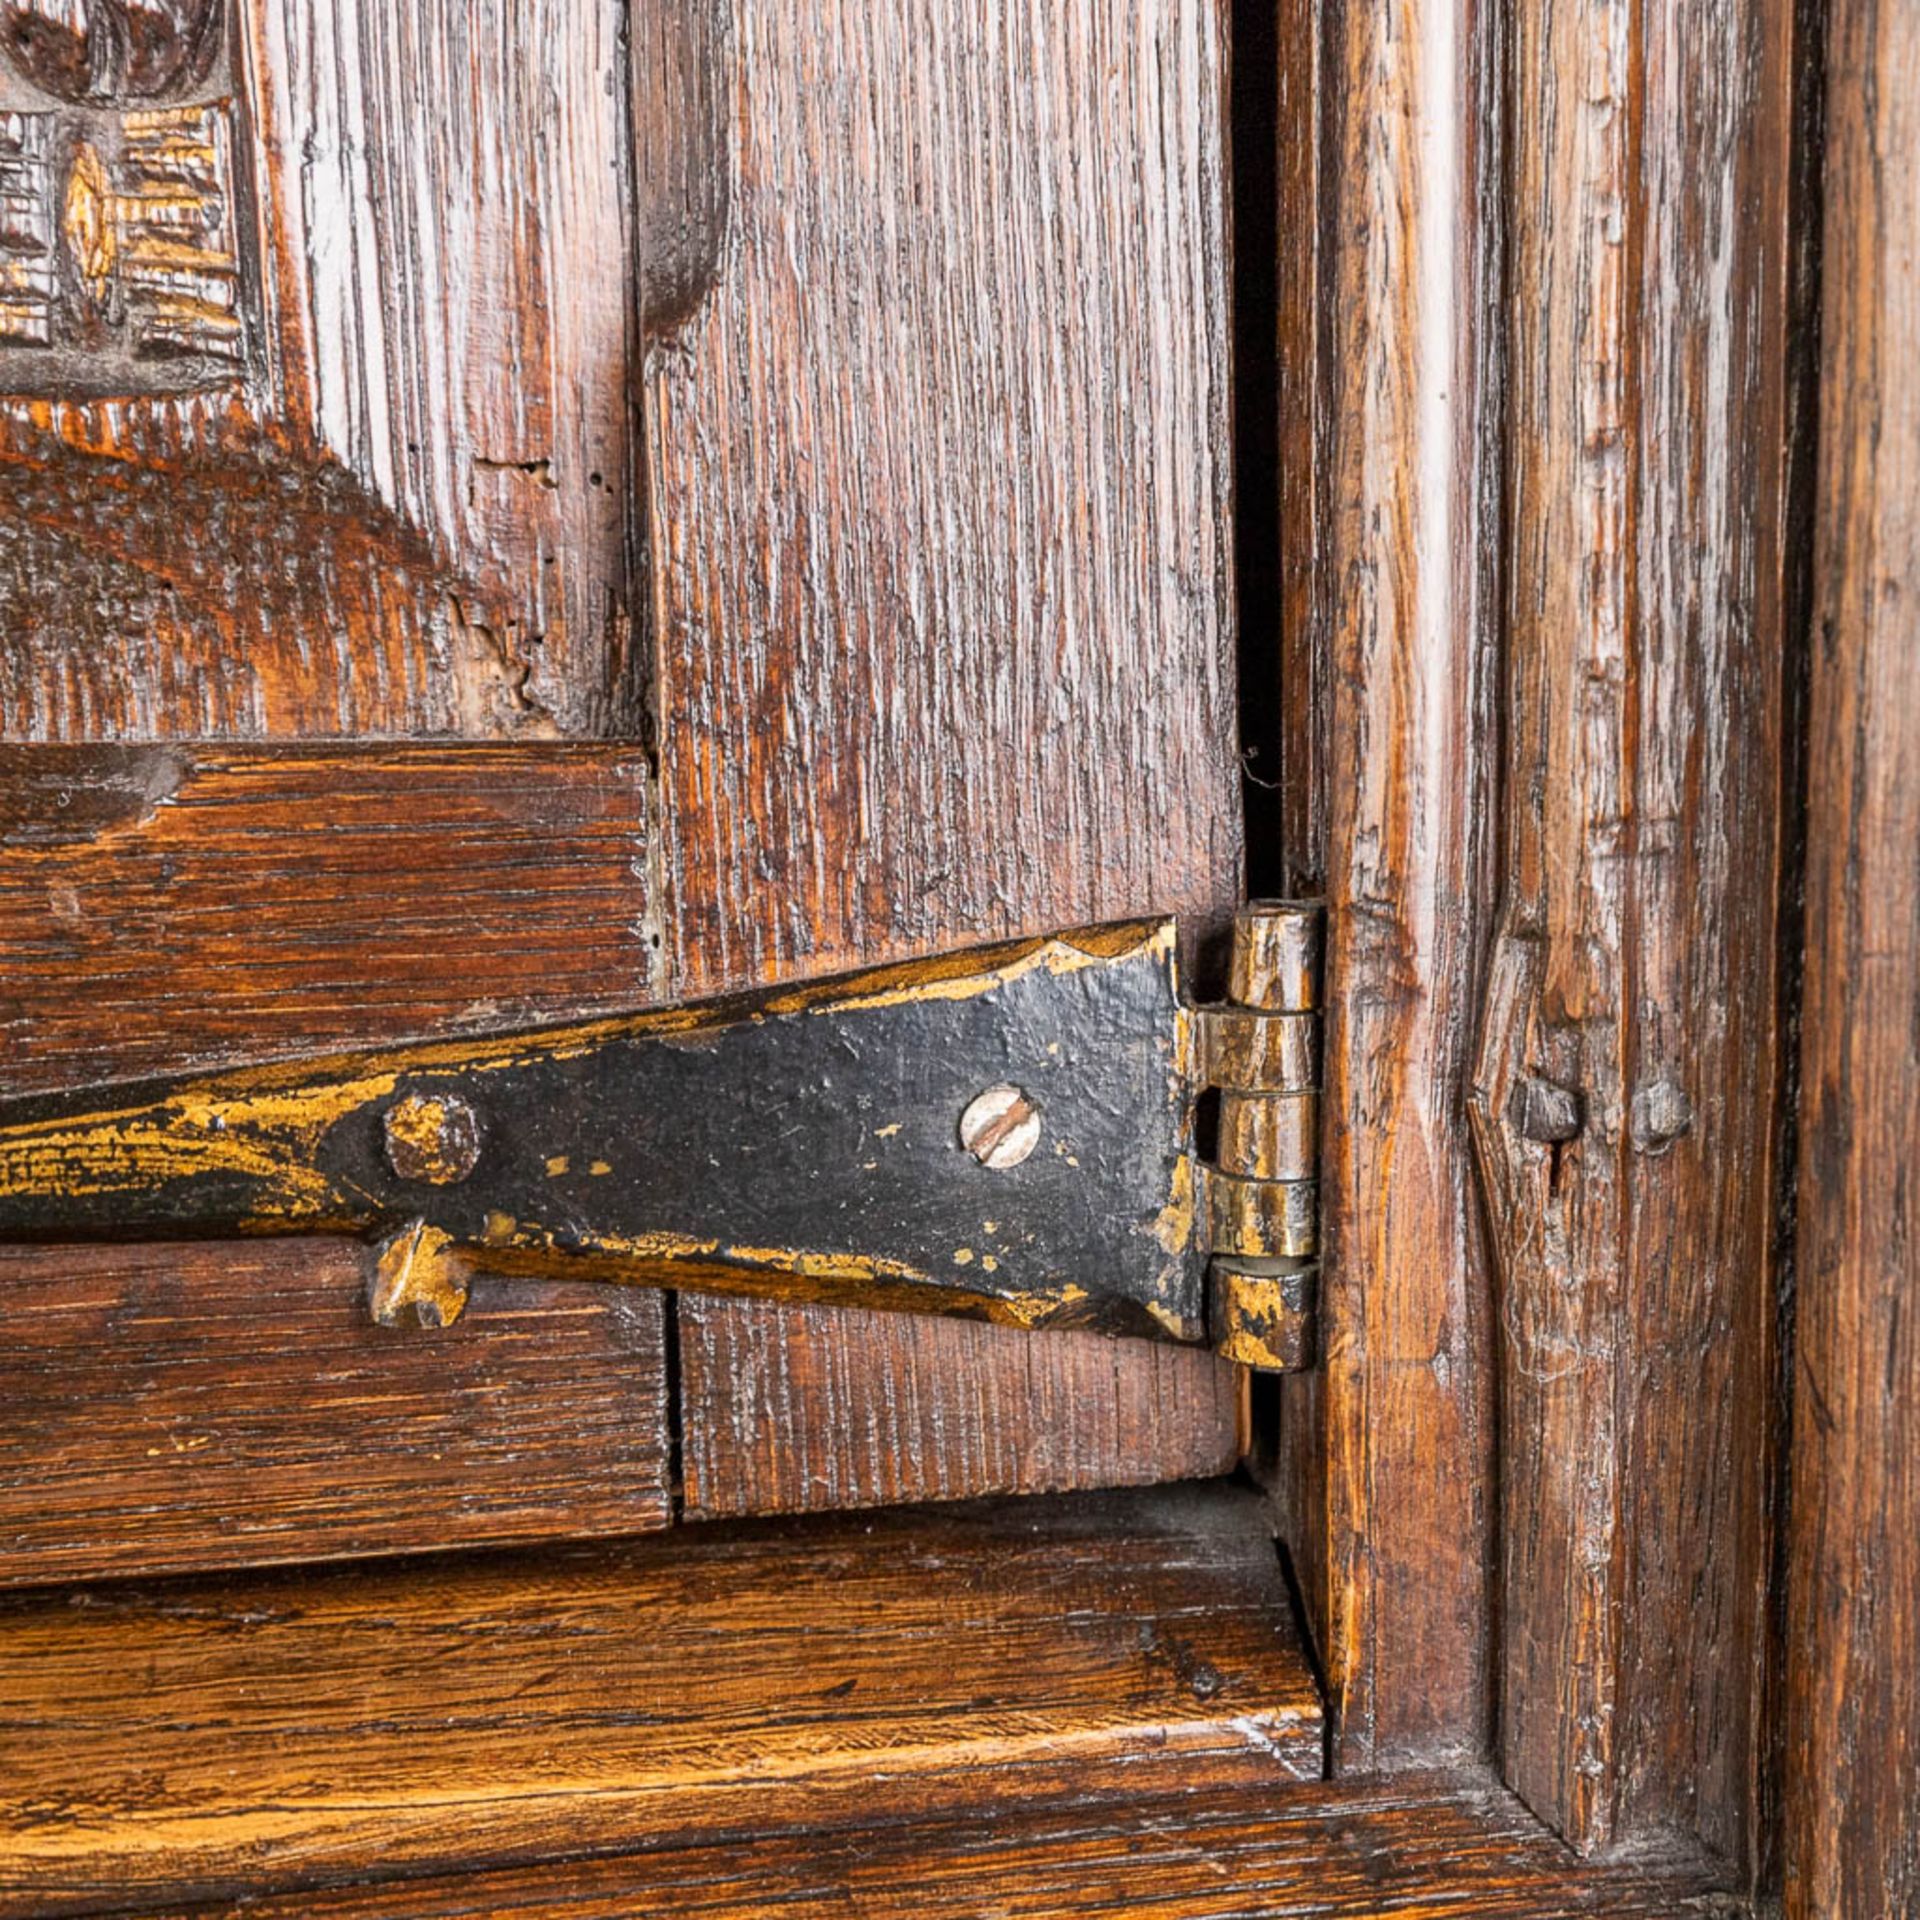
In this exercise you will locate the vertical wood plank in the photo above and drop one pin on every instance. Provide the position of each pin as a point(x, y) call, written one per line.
point(938, 489)
point(1302, 320)
point(786, 1411)
point(1389, 1451)
point(1624, 1097)
point(1853, 1733)
point(938, 514)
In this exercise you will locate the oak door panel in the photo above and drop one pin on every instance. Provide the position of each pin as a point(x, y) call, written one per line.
point(917, 618)
point(937, 498)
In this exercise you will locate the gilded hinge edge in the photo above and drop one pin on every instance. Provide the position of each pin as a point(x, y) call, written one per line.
point(1259, 1054)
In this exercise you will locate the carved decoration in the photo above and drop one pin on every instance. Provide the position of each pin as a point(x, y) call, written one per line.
point(121, 268)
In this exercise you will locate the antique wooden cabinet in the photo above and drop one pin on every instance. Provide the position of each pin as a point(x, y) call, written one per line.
point(812, 558)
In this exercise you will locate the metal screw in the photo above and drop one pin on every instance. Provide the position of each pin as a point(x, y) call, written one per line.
point(432, 1137)
point(1661, 1114)
point(1548, 1113)
point(1000, 1128)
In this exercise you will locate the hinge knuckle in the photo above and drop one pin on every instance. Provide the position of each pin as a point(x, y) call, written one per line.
point(1261, 1056)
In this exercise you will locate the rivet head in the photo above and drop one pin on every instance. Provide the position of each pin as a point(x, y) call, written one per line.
point(433, 1138)
point(1000, 1127)
point(1661, 1114)
point(1547, 1112)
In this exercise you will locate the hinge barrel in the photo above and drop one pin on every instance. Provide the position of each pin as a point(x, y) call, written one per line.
point(1262, 1056)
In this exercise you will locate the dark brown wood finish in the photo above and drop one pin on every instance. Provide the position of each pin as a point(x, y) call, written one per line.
point(932, 545)
point(795, 1410)
point(938, 487)
point(1411, 1849)
point(171, 908)
point(1388, 1453)
point(1292, 628)
point(1623, 1098)
point(1853, 1704)
point(197, 1407)
point(937, 495)
point(204, 1740)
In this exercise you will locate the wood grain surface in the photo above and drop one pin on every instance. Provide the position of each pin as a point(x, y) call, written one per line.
point(790, 1410)
point(1853, 1703)
point(185, 1407)
point(934, 538)
point(169, 907)
point(1288, 647)
point(1387, 1453)
point(201, 1741)
point(937, 504)
point(404, 508)
point(938, 489)
point(1411, 1849)
point(1635, 977)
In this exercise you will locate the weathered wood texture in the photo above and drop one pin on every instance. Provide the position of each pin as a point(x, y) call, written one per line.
point(198, 1407)
point(937, 504)
point(1636, 968)
point(1294, 633)
point(793, 1410)
point(1388, 1453)
point(399, 502)
point(1853, 1720)
point(1411, 1849)
point(170, 908)
point(204, 1741)
point(166, 908)
point(937, 489)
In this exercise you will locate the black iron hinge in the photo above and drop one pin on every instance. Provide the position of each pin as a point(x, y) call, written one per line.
point(1009, 1134)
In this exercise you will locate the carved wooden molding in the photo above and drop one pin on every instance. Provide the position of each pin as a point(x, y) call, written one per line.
point(122, 265)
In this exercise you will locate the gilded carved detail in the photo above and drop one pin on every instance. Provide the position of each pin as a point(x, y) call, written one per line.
point(121, 268)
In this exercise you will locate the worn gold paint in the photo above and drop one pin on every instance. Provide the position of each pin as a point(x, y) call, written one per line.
point(265, 1123)
point(86, 223)
point(924, 981)
point(422, 1131)
point(558, 1165)
point(1175, 1224)
point(419, 1271)
point(267, 1136)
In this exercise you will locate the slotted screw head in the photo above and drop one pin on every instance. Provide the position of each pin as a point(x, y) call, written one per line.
point(1000, 1127)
